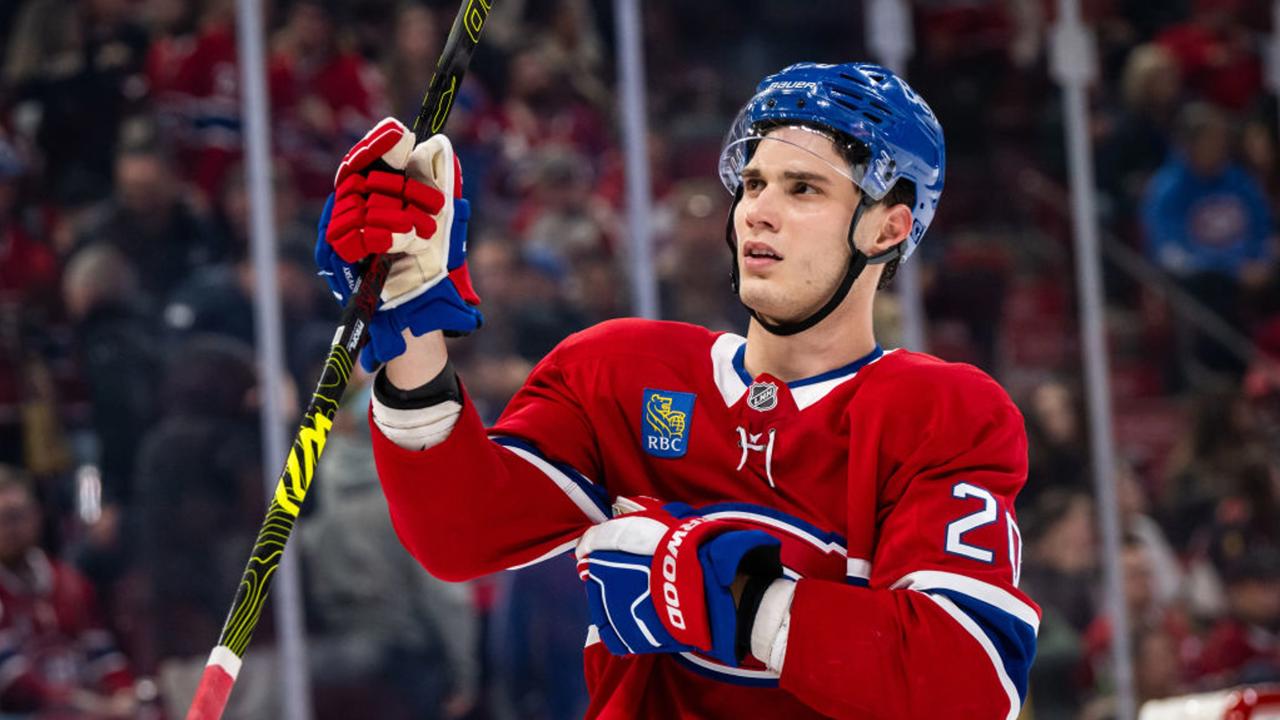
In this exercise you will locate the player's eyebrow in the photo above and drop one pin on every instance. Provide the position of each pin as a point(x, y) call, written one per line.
point(753, 173)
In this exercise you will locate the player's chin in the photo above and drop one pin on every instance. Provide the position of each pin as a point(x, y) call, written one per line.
point(766, 298)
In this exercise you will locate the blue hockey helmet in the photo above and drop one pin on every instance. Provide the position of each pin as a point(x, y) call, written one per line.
point(860, 104)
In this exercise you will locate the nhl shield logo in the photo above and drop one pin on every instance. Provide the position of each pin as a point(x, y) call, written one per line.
point(763, 396)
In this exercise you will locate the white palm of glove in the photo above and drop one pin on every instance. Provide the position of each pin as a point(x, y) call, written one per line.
point(424, 261)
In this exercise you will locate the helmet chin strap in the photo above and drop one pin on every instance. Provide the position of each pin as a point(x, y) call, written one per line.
point(858, 261)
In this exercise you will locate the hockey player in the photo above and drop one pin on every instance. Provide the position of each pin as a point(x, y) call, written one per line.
point(792, 524)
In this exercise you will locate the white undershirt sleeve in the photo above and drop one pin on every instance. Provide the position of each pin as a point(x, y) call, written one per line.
point(417, 429)
point(772, 624)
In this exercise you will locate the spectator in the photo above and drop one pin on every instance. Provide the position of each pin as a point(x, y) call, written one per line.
point(1154, 624)
point(57, 659)
point(324, 95)
point(538, 109)
point(1206, 459)
point(1057, 454)
point(219, 298)
point(195, 92)
point(385, 620)
point(1243, 647)
point(1059, 571)
point(1150, 89)
point(411, 63)
point(559, 216)
point(1216, 50)
point(691, 254)
point(1207, 223)
point(119, 357)
point(1143, 530)
point(28, 297)
point(151, 222)
point(199, 477)
point(69, 60)
point(574, 49)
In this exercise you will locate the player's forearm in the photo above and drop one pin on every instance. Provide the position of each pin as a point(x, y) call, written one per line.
point(423, 359)
point(908, 654)
point(467, 506)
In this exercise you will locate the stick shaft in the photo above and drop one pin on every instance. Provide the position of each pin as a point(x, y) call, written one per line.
point(308, 443)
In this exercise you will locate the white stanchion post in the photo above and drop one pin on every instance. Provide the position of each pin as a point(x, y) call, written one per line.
point(269, 334)
point(630, 44)
point(1073, 64)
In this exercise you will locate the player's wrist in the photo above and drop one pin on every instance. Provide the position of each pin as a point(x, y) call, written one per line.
point(444, 387)
point(424, 358)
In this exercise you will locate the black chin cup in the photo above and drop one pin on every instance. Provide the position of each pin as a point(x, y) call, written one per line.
point(858, 261)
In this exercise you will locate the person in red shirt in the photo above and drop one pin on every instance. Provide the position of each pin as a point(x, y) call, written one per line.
point(323, 95)
point(1244, 647)
point(57, 659)
point(796, 523)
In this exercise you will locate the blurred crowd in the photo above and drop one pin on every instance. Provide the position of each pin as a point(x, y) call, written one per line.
point(131, 469)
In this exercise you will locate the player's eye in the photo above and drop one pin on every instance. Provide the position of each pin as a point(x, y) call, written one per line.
point(803, 188)
point(752, 184)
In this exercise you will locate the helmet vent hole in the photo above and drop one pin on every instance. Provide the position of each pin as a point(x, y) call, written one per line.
point(771, 103)
point(877, 79)
point(854, 79)
point(873, 118)
point(882, 107)
point(847, 105)
point(800, 103)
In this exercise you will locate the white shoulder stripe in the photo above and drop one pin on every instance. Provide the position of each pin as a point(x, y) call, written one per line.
point(593, 636)
point(926, 580)
point(570, 488)
point(971, 627)
point(726, 376)
point(566, 547)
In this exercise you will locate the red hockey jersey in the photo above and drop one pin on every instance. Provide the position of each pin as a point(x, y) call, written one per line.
point(891, 482)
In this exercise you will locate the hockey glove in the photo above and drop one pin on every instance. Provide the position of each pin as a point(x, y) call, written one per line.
point(393, 197)
point(660, 579)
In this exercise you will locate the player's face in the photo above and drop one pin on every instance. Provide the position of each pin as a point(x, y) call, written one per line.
point(792, 224)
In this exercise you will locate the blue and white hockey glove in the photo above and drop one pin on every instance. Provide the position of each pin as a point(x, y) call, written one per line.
point(660, 580)
point(391, 196)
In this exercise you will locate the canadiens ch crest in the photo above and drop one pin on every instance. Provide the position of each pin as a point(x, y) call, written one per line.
point(665, 422)
point(762, 396)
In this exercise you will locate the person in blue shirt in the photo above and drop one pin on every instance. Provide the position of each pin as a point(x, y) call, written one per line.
point(1207, 223)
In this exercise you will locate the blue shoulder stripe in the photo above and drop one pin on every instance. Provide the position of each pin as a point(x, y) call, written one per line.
point(596, 493)
point(1014, 639)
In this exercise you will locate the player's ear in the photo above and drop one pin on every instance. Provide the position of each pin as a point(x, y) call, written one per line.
point(895, 225)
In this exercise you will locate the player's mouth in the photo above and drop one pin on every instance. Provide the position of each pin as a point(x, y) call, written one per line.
point(757, 255)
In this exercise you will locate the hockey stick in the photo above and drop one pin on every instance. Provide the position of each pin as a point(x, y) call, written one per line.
point(224, 662)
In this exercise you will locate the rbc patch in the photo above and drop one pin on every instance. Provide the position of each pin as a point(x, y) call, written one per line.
point(665, 422)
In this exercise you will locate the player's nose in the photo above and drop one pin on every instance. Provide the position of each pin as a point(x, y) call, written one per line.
point(761, 212)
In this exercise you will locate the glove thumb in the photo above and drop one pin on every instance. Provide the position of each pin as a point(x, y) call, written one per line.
point(434, 163)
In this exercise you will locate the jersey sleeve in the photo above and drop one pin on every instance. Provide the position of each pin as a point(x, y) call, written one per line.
point(937, 618)
point(478, 503)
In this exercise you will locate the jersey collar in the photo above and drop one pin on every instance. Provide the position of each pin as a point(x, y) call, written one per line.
point(731, 376)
